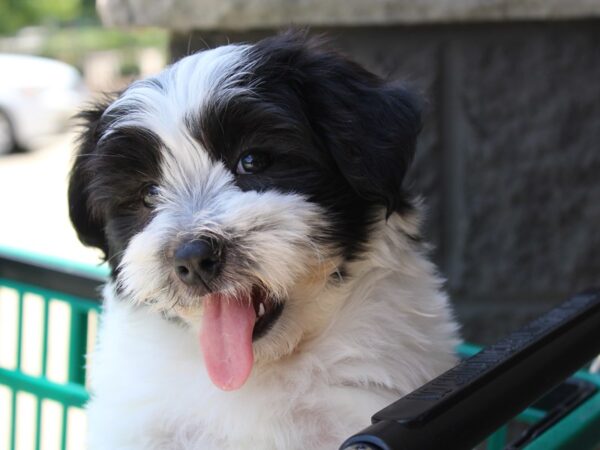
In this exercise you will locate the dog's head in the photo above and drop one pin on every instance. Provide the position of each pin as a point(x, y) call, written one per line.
point(232, 189)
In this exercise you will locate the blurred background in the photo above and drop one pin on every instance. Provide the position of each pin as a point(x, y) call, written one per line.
point(508, 161)
point(54, 57)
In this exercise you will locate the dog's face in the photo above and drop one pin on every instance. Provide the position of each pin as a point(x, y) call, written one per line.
point(232, 189)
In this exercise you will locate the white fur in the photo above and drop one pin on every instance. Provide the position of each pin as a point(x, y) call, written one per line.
point(186, 87)
point(338, 353)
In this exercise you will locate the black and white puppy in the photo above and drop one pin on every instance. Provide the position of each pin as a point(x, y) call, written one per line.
point(269, 288)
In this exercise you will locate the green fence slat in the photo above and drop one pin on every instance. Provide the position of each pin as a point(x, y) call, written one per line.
point(44, 356)
point(13, 420)
point(77, 346)
point(69, 394)
point(45, 335)
point(63, 433)
point(38, 423)
point(20, 328)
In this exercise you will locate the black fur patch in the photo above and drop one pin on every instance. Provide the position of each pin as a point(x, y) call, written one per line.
point(107, 179)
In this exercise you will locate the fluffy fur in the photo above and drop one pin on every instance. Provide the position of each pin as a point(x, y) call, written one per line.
point(325, 230)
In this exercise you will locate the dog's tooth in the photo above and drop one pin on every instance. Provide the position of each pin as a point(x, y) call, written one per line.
point(261, 310)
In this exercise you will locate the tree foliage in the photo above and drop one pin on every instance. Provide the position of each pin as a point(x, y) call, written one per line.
point(15, 14)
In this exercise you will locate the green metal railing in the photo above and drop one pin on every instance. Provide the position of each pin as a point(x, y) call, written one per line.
point(76, 290)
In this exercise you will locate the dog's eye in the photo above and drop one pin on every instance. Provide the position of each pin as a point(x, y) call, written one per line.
point(150, 195)
point(253, 162)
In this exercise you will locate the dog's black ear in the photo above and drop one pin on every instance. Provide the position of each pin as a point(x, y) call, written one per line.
point(87, 223)
point(370, 127)
point(371, 133)
point(367, 124)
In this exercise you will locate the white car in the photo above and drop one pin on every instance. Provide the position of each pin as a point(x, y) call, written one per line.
point(38, 96)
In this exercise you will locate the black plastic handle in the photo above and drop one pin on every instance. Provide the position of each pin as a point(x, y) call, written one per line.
point(461, 407)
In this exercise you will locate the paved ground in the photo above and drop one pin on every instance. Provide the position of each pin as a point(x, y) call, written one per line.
point(33, 202)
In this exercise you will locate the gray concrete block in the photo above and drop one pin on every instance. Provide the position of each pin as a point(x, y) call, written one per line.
point(246, 15)
point(531, 103)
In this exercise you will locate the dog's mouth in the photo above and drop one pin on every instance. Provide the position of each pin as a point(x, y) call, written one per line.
point(267, 312)
point(230, 325)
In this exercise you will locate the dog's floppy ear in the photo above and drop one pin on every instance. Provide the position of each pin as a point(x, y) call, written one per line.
point(371, 134)
point(368, 125)
point(89, 227)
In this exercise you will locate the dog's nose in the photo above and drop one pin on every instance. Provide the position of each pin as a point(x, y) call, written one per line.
point(197, 262)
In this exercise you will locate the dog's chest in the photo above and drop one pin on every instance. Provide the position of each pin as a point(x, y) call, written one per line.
point(152, 392)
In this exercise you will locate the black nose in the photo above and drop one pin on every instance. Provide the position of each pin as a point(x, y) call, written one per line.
point(198, 262)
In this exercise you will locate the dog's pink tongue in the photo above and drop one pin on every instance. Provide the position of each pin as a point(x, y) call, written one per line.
point(226, 340)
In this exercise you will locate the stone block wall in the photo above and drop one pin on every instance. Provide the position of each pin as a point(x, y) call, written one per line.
point(509, 160)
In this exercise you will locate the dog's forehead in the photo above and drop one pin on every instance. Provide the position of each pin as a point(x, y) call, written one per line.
point(168, 103)
point(173, 105)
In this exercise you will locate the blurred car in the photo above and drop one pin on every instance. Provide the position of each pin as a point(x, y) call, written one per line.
point(38, 96)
